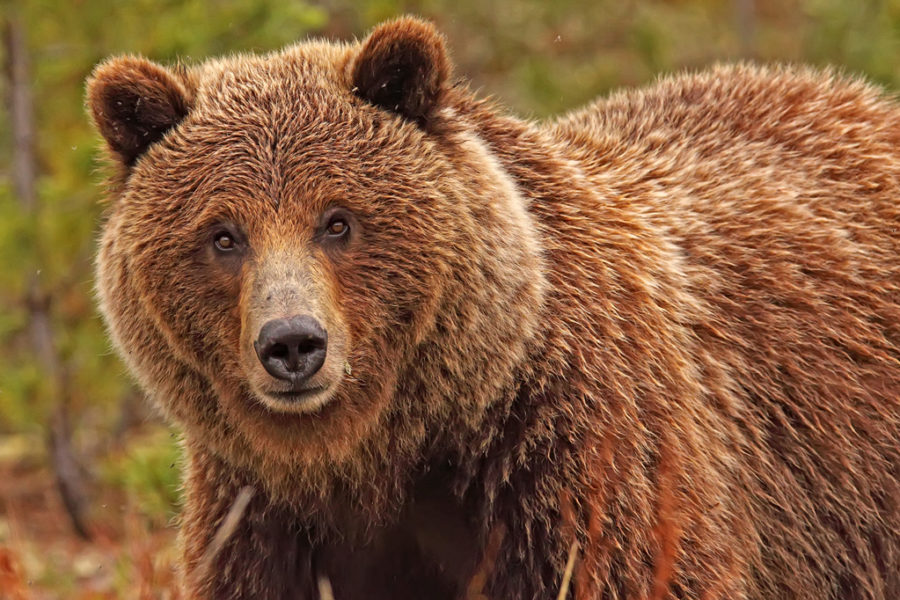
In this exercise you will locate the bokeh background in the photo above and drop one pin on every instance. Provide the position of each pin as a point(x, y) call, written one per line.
point(89, 484)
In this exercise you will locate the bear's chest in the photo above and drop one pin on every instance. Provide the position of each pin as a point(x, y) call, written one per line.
point(430, 551)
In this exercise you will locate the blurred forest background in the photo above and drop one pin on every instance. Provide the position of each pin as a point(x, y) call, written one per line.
point(88, 476)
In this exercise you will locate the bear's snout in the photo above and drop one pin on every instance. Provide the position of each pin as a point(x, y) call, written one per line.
point(293, 344)
point(292, 349)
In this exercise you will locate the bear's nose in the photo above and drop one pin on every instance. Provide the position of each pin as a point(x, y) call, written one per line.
point(292, 349)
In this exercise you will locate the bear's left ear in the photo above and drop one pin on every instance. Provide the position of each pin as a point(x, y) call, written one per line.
point(403, 67)
point(134, 102)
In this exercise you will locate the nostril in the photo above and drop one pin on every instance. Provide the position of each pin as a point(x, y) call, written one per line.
point(309, 345)
point(279, 351)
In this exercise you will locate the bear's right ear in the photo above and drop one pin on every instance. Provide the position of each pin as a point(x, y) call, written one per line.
point(134, 102)
point(403, 67)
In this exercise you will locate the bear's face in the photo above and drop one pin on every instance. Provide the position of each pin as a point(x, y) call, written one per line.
point(301, 232)
point(269, 237)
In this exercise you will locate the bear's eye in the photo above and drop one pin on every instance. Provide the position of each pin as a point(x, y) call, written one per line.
point(338, 227)
point(224, 242)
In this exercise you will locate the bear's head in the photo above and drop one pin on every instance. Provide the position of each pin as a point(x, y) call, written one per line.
point(311, 260)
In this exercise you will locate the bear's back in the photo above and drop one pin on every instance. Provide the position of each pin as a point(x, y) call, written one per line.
point(776, 193)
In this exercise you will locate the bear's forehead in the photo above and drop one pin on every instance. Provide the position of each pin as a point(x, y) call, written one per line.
point(300, 99)
point(287, 125)
point(310, 76)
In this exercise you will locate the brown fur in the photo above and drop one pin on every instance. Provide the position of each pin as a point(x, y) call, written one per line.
point(664, 327)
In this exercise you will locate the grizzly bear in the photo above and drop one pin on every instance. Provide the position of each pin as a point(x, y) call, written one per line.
point(648, 350)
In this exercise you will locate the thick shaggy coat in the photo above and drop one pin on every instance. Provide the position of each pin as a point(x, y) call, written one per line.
point(660, 334)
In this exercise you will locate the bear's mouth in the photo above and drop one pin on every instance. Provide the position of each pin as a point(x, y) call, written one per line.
point(301, 400)
point(297, 395)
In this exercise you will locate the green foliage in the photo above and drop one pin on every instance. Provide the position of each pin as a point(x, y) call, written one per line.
point(863, 36)
point(147, 469)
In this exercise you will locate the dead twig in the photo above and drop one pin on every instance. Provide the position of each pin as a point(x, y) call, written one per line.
point(567, 575)
point(325, 591)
